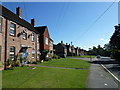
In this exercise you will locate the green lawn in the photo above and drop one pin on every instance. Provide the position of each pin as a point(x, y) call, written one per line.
point(44, 77)
point(85, 56)
point(65, 62)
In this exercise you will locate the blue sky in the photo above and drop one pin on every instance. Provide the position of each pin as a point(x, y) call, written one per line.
point(70, 21)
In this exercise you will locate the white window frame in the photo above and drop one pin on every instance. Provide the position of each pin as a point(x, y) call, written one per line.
point(11, 28)
point(46, 41)
point(38, 38)
point(33, 52)
point(12, 53)
point(25, 33)
point(33, 36)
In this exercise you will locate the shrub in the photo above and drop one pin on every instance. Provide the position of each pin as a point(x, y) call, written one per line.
point(47, 59)
point(55, 56)
point(33, 62)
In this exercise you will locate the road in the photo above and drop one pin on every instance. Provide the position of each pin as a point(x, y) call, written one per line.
point(98, 77)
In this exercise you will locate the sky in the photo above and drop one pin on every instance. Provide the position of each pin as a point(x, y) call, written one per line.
point(72, 21)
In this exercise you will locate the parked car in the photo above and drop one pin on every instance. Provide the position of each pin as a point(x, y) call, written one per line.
point(98, 56)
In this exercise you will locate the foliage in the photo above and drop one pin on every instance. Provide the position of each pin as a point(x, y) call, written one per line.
point(44, 54)
point(55, 56)
point(115, 44)
point(103, 51)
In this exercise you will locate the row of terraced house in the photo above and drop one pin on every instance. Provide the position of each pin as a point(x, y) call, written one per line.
point(19, 37)
point(64, 50)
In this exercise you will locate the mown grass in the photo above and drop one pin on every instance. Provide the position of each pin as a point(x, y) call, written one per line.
point(45, 77)
point(68, 63)
point(85, 56)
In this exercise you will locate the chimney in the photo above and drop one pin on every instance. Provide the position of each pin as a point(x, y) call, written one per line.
point(19, 12)
point(33, 22)
point(61, 42)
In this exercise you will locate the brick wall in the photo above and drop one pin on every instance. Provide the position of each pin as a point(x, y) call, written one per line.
point(16, 41)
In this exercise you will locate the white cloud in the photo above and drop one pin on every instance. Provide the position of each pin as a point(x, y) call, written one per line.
point(102, 39)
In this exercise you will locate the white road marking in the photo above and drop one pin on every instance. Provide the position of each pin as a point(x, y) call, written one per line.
point(110, 73)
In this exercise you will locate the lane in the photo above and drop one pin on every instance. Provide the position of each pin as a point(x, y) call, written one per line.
point(99, 78)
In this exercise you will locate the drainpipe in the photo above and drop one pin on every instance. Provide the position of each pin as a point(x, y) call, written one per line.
point(5, 61)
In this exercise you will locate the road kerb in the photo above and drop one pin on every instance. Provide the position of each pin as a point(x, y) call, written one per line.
point(110, 72)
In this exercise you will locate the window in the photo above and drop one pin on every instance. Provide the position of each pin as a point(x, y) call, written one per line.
point(12, 29)
point(12, 53)
point(32, 36)
point(33, 53)
point(46, 41)
point(0, 53)
point(37, 38)
point(25, 34)
point(0, 24)
point(38, 53)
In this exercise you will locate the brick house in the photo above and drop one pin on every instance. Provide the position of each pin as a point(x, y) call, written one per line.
point(73, 50)
point(17, 36)
point(51, 47)
point(60, 49)
point(76, 51)
point(46, 43)
point(69, 50)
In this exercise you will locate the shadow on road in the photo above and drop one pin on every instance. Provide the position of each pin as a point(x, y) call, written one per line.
point(104, 62)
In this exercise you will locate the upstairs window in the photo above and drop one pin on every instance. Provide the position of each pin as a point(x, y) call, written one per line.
point(33, 53)
point(12, 29)
point(32, 36)
point(38, 38)
point(46, 40)
point(25, 34)
point(0, 24)
point(12, 53)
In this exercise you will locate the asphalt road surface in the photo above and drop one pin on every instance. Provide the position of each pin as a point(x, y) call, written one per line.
point(98, 77)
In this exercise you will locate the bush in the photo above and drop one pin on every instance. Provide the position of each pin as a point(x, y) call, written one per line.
point(33, 62)
point(55, 56)
point(47, 59)
point(17, 63)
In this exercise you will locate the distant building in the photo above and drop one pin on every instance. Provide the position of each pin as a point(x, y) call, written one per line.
point(76, 51)
point(60, 49)
point(69, 49)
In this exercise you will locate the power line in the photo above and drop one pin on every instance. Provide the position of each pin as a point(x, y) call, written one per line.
point(96, 21)
point(25, 10)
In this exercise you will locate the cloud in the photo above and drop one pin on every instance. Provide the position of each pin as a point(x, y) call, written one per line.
point(102, 39)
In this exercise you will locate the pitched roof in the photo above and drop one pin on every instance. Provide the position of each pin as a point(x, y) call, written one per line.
point(13, 17)
point(63, 45)
point(41, 29)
